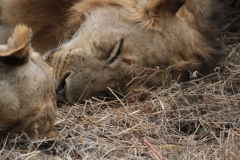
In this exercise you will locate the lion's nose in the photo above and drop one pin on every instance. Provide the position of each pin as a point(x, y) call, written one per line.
point(61, 95)
point(61, 89)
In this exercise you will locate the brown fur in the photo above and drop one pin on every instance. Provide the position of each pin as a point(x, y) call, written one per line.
point(27, 94)
point(177, 36)
point(45, 18)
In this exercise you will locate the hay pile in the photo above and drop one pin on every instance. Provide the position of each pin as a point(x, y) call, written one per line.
point(199, 119)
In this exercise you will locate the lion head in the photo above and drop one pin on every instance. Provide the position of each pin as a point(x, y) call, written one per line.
point(120, 44)
point(126, 44)
point(27, 99)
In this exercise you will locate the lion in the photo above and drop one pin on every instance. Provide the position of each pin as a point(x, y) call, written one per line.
point(27, 99)
point(43, 17)
point(110, 47)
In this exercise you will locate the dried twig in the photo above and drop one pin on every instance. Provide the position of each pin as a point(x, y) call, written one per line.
point(153, 149)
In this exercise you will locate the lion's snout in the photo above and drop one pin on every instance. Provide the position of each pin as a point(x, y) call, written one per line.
point(61, 89)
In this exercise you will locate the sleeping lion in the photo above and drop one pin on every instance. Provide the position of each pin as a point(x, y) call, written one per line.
point(94, 45)
point(27, 99)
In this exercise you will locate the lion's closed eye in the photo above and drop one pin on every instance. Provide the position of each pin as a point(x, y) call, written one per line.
point(116, 51)
point(108, 52)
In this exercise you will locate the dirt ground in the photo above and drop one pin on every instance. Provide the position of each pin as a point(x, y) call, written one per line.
point(194, 120)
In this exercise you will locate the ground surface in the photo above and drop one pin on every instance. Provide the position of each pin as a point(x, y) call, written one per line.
point(199, 119)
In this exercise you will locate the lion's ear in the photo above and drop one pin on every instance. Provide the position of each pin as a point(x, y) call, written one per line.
point(172, 6)
point(151, 13)
point(18, 47)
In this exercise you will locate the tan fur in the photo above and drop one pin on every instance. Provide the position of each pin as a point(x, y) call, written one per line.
point(107, 43)
point(151, 14)
point(4, 34)
point(27, 94)
point(45, 17)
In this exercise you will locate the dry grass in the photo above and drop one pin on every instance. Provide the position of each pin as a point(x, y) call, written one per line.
point(199, 119)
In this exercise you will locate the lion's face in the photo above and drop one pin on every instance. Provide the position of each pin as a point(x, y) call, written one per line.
point(111, 50)
point(119, 44)
point(108, 51)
